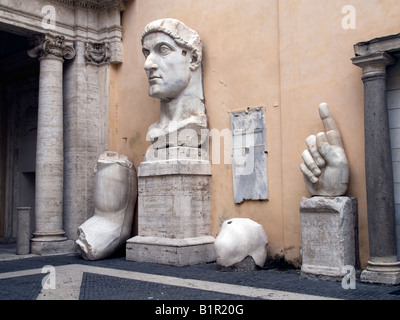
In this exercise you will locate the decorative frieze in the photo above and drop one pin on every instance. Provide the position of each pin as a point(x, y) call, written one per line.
point(94, 5)
point(97, 52)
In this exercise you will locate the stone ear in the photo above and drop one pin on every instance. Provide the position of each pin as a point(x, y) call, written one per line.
point(196, 60)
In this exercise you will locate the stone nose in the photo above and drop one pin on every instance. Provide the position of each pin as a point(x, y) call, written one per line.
point(150, 63)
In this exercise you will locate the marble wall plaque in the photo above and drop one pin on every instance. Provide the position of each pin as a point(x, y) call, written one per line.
point(249, 152)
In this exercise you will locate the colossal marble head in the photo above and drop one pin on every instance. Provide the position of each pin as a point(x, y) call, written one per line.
point(173, 53)
point(173, 57)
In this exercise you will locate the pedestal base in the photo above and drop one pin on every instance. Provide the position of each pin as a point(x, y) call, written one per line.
point(52, 247)
point(329, 236)
point(174, 199)
point(24, 230)
point(383, 273)
point(176, 252)
point(174, 209)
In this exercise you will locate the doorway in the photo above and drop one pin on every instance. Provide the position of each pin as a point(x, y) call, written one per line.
point(19, 86)
point(393, 105)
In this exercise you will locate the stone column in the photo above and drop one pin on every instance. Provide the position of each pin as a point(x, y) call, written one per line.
point(383, 266)
point(49, 234)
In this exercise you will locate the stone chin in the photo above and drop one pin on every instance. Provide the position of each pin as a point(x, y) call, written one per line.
point(164, 91)
point(155, 92)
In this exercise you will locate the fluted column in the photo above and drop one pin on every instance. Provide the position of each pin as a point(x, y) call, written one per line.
point(48, 234)
point(383, 266)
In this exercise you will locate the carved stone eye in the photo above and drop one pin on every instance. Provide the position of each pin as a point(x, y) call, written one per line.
point(146, 53)
point(164, 50)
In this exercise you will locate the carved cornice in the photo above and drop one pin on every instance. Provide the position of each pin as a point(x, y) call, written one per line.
point(53, 46)
point(101, 5)
point(390, 43)
point(375, 55)
point(97, 52)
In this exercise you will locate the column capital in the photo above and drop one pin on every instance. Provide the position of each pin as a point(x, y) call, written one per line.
point(51, 46)
point(373, 65)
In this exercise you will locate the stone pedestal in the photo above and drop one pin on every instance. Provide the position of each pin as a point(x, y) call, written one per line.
point(173, 209)
point(329, 235)
point(24, 230)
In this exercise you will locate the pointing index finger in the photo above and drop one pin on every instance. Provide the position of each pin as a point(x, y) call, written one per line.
point(332, 132)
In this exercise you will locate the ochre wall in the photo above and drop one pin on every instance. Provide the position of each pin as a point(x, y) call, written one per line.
point(288, 56)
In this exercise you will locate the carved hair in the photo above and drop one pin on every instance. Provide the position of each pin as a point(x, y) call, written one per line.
point(182, 35)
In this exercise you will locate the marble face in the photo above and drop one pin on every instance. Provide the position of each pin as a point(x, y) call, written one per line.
point(167, 66)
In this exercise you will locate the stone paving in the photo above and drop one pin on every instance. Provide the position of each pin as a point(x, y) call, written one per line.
point(21, 278)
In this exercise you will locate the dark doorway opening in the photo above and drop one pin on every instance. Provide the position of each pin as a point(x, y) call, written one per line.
point(19, 86)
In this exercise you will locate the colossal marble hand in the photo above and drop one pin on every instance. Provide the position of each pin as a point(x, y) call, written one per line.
point(325, 166)
point(173, 54)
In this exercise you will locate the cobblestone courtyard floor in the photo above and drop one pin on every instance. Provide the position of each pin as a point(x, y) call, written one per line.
point(74, 278)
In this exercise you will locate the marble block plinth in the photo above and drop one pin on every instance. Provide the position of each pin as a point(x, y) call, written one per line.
point(329, 235)
point(176, 252)
point(174, 213)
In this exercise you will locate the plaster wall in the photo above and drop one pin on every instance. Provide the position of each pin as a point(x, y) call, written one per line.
point(315, 67)
point(287, 56)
